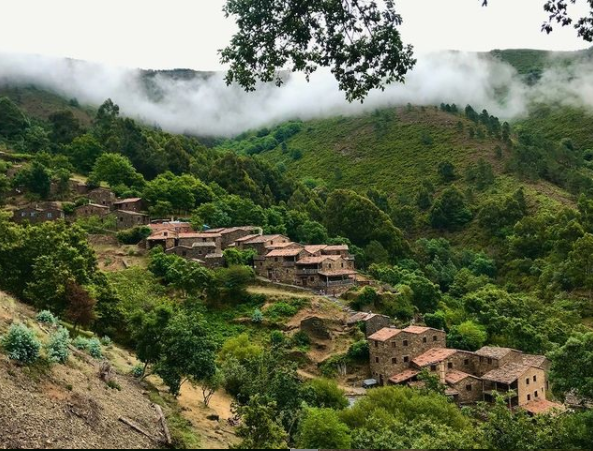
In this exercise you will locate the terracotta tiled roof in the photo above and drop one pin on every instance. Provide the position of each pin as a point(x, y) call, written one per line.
point(435, 355)
point(361, 316)
point(454, 376)
point(127, 201)
point(537, 361)
point(542, 406)
point(317, 260)
point(337, 248)
point(313, 249)
point(290, 252)
point(507, 374)
point(246, 238)
point(207, 244)
point(385, 334)
point(198, 235)
point(403, 376)
point(264, 239)
point(132, 213)
point(419, 330)
point(104, 207)
point(338, 272)
point(494, 352)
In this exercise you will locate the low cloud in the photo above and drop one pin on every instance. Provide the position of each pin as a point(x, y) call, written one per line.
point(205, 106)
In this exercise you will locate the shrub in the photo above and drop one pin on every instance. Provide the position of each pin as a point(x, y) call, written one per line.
point(47, 317)
point(57, 347)
point(277, 338)
point(281, 310)
point(21, 344)
point(106, 341)
point(137, 371)
point(133, 236)
point(301, 339)
point(257, 317)
point(114, 385)
point(81, 343)
point(359, 351)
point(94, 348)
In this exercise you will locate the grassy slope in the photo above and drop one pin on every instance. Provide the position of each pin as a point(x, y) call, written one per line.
point(527, 61)
point(383, 150)
point(558, 123)
point(40, 104)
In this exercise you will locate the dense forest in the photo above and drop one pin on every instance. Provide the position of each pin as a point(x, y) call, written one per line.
point(482, 227)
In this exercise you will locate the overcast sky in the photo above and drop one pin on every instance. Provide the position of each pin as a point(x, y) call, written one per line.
point(187, 33)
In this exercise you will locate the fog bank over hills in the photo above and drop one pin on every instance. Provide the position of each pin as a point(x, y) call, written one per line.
point(202, 104)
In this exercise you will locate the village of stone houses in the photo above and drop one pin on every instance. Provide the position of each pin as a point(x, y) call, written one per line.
point(398, 355)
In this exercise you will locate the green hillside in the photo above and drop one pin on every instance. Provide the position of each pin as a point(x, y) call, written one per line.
point(389, 150)
point(528, 61)
point(558, 123)
point(40, 104)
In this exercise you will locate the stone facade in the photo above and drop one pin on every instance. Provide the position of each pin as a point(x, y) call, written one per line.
point(392, 350)
point(130, 219)
point(134, 204)
point(102, 196)
point(372, 323)
point(37, 215)
point(89, 210)
point(398, 356)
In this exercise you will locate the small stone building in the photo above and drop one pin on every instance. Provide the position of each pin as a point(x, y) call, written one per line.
point(37, 215)
point(90, 210)
point(130, 219)
point(399, 356)
point(262, 244)
point(102, 196)
point(315, 328)
point(134, 204)
point(372, 322)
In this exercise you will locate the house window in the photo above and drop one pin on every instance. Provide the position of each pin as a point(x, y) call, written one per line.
point(527, 381)
point(394, 361)
point(405, 342)
point(468, 387)
point(450, 365)
point(393, 344)
point(528, 397)
point(184, 253)
point(433, 368)
point(435, 338)
point(534, 378)
point(312, 279)
point(536, 394)
point(466, 362)
point(376, 344)
point(424, 340)
point(276, 259)
point(489, 361)
point(376, 359)
point(406, 359)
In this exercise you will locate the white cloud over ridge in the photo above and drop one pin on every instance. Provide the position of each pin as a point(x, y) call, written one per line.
point(207, 107)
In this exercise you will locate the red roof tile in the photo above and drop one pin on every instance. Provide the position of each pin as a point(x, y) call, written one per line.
point(454, 376)
point(419, 329)
point(542, 406)
point(403, 376)
point(385, 334)
point(283, 252)
point(494, 352)
point(435, 355)
point(507, 374)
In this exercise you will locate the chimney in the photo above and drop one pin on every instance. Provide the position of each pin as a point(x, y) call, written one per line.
point(442, 375)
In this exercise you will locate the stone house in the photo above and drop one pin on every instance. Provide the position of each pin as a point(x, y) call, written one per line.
point(527, 382)
point(229, 236)
point(372, 322)
point(262, 244)
point(38, 215)
point(399, 356)
point(130, 219)
point(134, 204)
point(78, 187)
point(392, 350)
point(191, 238)
point(89, 210)
point(464, 388)
point(214, 261)
point(279, 265)
point(102, 196)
